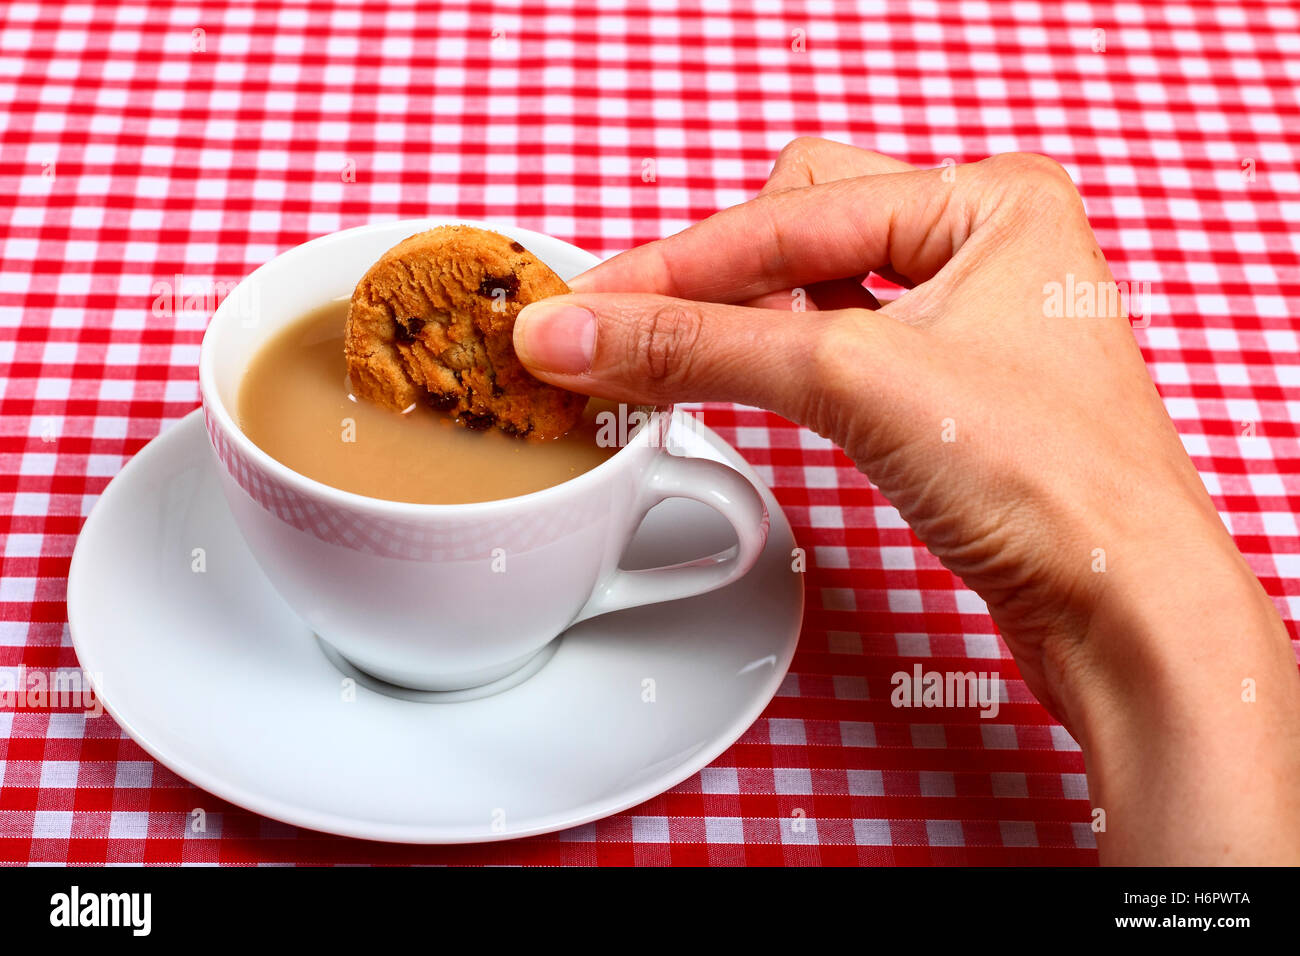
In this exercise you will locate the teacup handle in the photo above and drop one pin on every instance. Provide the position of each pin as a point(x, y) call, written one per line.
point(724, 490)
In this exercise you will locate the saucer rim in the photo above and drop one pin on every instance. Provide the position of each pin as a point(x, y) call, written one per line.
point(382, 831)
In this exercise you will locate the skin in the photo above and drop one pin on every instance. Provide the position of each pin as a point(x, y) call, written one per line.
point(1059, 446)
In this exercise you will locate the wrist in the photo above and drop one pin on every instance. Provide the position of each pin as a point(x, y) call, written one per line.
point(1165, 622)
point(1183, 694)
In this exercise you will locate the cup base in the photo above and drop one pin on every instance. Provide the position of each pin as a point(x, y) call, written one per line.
point(514, 678)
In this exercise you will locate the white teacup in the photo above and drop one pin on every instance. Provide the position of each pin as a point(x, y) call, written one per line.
point(447, 597)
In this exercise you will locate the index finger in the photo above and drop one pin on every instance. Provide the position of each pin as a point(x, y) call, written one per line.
point(914, 221)
point(910, 222)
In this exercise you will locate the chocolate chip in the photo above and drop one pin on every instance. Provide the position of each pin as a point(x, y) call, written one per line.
point(510, 428)
point(407, 329)
point(442, 403)
point(476, 421)
point(516, 247)
point(491, 285)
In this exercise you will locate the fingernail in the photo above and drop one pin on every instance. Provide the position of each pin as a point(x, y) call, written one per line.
point(556, 338)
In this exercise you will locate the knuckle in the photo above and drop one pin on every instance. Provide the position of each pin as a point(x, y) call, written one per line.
point(1033, 166)
point(841, 370)
point(796, 152)
point(663, 345)
point(802, 144)
point(837, 345)
point(1039, 180)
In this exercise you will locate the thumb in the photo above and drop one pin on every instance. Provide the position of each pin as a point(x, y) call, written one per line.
point(650, 349)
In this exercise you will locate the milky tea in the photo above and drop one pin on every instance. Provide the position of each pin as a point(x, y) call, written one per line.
point(295, 404)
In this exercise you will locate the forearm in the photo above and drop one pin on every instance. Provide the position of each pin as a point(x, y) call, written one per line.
point(1185, 696)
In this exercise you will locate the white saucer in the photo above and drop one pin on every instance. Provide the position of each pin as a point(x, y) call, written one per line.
point(216, 678)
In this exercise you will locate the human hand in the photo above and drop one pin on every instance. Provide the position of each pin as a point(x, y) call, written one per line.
point(1008, 439)
point(1029, 451)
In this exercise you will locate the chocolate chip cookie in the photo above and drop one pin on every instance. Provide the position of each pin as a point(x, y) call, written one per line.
point(433, 321)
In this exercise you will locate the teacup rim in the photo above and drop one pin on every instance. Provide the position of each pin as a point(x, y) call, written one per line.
point(384, 507)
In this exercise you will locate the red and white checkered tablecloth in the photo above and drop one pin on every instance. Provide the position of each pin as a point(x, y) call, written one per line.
point(144, 140)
